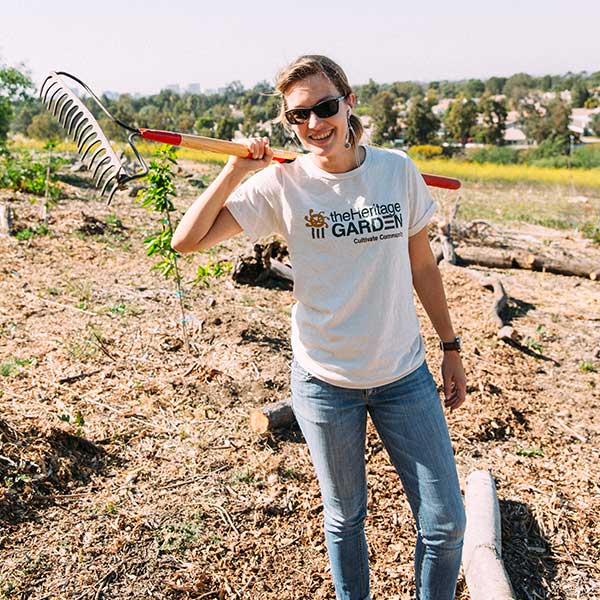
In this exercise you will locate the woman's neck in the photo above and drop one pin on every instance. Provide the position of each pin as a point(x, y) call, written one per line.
point(343, 162)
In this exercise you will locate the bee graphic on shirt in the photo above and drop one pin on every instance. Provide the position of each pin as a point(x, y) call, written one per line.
point(316, 220)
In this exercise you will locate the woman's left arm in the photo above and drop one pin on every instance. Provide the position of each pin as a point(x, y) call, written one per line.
point(427, 282)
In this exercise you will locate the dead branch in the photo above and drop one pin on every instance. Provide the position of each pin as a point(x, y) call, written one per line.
point(499, 301)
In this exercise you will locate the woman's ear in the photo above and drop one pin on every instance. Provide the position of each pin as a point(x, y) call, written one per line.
point(351, 100)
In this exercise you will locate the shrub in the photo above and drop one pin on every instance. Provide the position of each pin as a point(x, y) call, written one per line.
point(549, 148)
point(586, 157)
point(425, 151)
point(21, 172)
point(498, 155)
point(583, 157)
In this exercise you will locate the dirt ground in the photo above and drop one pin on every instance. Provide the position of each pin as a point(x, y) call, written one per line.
point(127, 466)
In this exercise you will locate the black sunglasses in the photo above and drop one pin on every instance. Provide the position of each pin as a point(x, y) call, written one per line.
point(323, 110)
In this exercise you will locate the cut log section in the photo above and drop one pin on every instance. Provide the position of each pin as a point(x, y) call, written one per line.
point(501, 259)
point(272, 416)
point(482, 551)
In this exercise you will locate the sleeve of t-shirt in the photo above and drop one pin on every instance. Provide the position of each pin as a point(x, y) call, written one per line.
point(256, 204)
point(421, 204)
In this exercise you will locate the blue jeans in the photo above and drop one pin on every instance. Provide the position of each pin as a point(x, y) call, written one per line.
point(408, 416)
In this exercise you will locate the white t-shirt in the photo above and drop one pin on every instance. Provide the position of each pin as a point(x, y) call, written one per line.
point(354, 323)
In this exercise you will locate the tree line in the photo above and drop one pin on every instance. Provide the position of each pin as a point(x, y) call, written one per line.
point(401, 112)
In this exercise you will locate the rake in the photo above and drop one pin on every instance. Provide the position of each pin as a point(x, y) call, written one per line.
point(98, 156)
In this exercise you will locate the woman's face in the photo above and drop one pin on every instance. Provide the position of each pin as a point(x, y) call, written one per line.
point(322, 137)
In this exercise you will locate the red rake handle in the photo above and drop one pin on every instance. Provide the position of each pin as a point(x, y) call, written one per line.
point(199, 142)
point(448, 183)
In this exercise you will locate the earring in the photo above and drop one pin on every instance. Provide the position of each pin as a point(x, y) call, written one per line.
point(350, 129)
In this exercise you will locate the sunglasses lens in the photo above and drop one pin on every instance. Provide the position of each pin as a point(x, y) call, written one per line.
point(297, 116)
point(327, 109)
point(323, 110)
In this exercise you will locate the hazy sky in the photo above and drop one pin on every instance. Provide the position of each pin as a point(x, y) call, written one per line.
point(142, 46)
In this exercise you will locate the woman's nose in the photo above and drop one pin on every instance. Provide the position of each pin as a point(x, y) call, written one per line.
point(313, 120)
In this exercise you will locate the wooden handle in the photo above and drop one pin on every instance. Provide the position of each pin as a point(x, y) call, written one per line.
point(200, 142)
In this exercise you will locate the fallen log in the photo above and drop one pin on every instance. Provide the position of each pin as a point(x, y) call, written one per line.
point(272, 416)
point(482, 551)
point(514, 259)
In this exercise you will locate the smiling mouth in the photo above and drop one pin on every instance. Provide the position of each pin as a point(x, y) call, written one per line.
point(321, 137)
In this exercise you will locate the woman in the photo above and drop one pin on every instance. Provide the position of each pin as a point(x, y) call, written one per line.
point(354, 218)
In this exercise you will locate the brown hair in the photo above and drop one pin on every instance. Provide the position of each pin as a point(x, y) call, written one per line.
point(315, 64)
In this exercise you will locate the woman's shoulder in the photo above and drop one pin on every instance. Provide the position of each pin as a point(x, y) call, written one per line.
point(394, 163)
point(268, 179)
point(389, 155)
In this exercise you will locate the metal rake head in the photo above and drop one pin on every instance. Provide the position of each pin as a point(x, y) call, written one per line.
point(97, 154)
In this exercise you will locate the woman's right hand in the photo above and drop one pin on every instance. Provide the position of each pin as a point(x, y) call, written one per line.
point(262, 155)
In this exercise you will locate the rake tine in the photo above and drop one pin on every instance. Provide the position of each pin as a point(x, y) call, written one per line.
point(44, 84)
point(65, 107)
point(74, 120)
point(108, 180)
point(57, 104)
point(110, 166)
point(103, 161)
point(69, 116)
point(78, 136)
point(45, 98)
point(56, 91)
point(85, 140)
point(97, 153)
point(112, 193)
point(92, 145)
point(88, 144)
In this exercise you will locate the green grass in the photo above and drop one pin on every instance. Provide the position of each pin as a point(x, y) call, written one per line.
point(587, 367)
point(10, 367)
point(549, 206)
point(28, 232)
point(530, 452)
point(176, 538)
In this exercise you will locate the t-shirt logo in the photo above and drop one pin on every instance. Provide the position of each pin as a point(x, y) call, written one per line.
point(367, 223)
point(316, 221)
